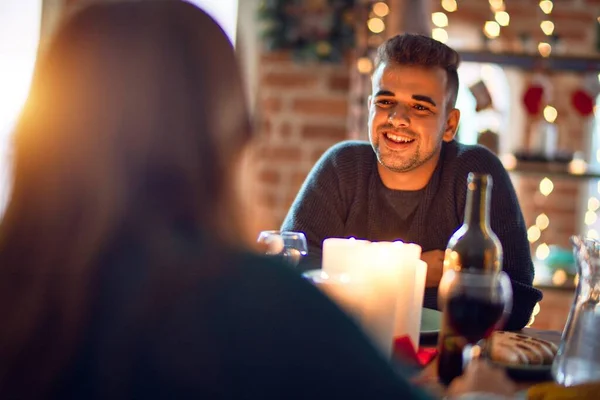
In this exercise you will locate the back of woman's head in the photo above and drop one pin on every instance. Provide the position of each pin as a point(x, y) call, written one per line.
point(131, 97)
point(136, 114)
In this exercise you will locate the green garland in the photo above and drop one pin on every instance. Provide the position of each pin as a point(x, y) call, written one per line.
point(321, 30)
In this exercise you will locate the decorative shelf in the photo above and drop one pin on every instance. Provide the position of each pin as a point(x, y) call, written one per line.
point(556, 170)
point(544, 279)
point(532, 62)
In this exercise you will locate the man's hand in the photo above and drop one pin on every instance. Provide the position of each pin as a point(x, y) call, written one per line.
point(481, 377)
point(435, 267)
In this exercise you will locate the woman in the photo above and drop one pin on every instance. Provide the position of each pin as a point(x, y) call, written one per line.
point(122, 274)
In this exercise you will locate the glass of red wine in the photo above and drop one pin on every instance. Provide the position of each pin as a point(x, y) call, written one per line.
point(476, 304)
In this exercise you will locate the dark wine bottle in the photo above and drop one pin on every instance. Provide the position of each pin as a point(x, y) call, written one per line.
point(474, 247)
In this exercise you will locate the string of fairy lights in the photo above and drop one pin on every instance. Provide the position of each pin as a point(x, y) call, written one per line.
point(377, 12)
point(500, 18)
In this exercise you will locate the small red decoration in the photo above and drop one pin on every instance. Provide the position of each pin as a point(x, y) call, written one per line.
point(533, 99)
point(583, 102)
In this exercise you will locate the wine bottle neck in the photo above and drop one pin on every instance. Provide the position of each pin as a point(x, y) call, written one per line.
point(477, 210)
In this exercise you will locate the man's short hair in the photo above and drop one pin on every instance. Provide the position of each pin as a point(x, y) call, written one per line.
point(420, 50)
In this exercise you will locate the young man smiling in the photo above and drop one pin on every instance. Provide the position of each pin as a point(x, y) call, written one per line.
point(410, 183)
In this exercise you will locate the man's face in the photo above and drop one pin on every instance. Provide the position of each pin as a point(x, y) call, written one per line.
point(408, 119)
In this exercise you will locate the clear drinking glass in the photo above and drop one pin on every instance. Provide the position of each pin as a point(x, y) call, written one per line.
point(578, 358)
point(476, 304)
point(291, 246)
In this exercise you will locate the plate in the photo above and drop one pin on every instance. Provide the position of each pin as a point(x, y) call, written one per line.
point(431, 322)
point(527, 372)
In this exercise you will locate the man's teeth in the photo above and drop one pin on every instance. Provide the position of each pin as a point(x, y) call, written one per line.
point(398, 139)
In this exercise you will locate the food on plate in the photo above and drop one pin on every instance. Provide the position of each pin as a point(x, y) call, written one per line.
point(518, 349)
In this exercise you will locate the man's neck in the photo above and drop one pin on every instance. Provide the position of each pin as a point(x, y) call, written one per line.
point(415, 179)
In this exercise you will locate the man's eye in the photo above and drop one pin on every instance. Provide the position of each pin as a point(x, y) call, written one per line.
point(384, 103)
point(420, 107)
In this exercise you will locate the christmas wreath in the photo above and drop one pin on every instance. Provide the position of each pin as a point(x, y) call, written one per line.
point(320, 30)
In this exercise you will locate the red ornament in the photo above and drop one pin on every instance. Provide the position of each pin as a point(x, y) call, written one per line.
point(583, 102)
point(533, 99)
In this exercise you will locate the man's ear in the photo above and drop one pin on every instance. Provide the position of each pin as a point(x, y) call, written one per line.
point(451, 125)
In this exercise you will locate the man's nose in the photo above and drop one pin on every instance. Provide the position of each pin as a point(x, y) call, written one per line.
point(398, 117)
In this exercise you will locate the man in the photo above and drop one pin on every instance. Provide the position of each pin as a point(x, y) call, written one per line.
point(410, 183)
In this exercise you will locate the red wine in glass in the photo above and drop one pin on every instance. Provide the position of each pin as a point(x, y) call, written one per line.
point(474, 318)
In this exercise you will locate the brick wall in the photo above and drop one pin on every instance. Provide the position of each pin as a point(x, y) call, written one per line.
point(301, 110)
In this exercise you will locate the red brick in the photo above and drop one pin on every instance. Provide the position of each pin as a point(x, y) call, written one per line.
point(290, 79)
point(271, 105)
point(285, 131)
point(269, 176)
point(565, 16)
point(321, 106)
point(339, 83)
point(265, 127)
point(333, 133)
point(285, 154)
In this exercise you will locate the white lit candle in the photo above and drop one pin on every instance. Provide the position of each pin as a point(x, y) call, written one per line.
point(381, 277)
point(383, 288)
point(342, 255)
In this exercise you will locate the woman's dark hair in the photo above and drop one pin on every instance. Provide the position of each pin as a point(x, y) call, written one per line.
point(136, 117)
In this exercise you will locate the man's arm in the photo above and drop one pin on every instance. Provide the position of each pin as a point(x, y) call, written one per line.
point(506, 220)
point(319, 209)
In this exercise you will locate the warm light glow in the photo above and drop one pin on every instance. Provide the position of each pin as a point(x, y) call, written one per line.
point(364, 65)
point(547, 27)
point(593, 234)
point(593, 204)
point(590, 217)
point(576, 280)
point(545, 49)
point(546, 6)
point(533, 234)
point(577, 166)
point(376, 25)
point(546, 186)
point(550, 114)
point(497, 5)
point(381, 9)
point(502, 18)
point(560, 277)
point(509, 161)
point(19, 37)
point(542, 221)
point(439, 34)
point(439, 19)
point(542, 252)
point(449, 5)
point(491, 29)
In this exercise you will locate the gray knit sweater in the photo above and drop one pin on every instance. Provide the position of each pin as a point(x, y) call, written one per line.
point(343, 196)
